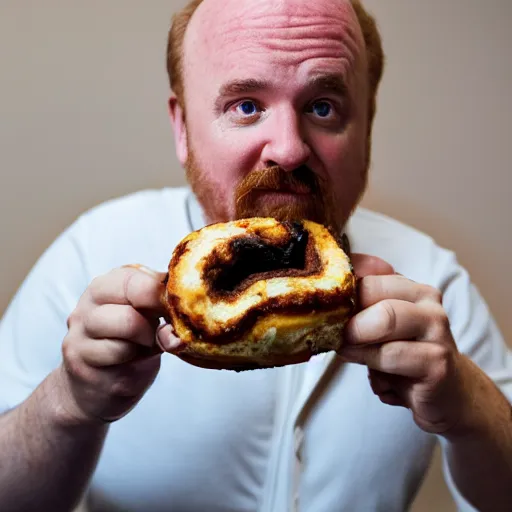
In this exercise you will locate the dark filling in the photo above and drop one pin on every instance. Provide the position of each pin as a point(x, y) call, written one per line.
point(252, 256)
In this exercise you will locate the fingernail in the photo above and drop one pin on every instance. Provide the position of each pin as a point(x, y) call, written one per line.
point(166, 338)
point(366, 324)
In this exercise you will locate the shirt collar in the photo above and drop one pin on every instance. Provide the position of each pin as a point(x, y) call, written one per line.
point(195, 216)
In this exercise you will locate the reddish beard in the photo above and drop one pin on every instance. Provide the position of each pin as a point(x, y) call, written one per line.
point(310, 197)
point(214, 209)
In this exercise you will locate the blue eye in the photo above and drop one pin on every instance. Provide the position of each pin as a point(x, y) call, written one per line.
point(322, 108)
point(248, 108)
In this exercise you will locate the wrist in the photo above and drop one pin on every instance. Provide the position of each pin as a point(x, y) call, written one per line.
point(61, 406)
point(481, 404)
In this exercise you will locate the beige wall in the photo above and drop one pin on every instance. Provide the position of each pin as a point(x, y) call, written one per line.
point(83, 119)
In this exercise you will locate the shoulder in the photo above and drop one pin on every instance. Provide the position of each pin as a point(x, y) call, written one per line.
point(143, 205)
point(142, 227)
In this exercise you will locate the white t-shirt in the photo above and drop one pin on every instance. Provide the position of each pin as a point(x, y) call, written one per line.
point(308, 437)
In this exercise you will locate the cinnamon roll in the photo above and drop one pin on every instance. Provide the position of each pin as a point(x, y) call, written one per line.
point(258, 293)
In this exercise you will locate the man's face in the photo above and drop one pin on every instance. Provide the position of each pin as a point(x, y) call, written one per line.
point(279, 85)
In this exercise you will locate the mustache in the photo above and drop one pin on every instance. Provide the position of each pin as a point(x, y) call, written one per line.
point(317, 202)
point(301, 180)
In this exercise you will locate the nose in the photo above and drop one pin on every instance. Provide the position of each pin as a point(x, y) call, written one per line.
point(285, 143)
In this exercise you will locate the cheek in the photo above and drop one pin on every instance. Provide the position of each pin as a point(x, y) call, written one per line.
point(341, 155)
point(343, 161)
point(225, 156)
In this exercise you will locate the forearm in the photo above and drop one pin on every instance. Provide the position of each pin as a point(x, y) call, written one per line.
point(480, 459)
point(46, 460)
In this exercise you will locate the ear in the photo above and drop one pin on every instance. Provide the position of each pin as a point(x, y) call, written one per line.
point(177, 117)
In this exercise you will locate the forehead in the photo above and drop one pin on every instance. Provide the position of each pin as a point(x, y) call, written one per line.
point(229, 39)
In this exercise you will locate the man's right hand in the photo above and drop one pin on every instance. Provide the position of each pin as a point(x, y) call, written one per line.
point(110, 355)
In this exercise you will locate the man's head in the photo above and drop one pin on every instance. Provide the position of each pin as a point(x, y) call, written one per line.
point(273, 105)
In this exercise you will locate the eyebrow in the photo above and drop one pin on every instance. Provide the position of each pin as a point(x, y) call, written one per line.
point(243, 87)
point(333, 83)
point(329, 83)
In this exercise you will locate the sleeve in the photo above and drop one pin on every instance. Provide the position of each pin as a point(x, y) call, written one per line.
point(477, 336)
point(35, 322)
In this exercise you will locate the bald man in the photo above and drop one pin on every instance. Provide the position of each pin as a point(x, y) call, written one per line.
point(90, 402)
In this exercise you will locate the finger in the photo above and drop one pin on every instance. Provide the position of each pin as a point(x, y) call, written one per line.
point(380, 382)
point(166, 338)
point(387, 321)
point(120, 322)
point(169, 342)
point(108, 352)
point(366, 265)
point(131, 379)
point(392, 398)
point(94, 372)
point(405, 358)
point(373, 289)
point(387, 387)
point(135, 286)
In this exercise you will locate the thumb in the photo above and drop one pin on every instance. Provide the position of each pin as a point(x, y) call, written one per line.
point(160, 276)
point(152, 290)
point(366, 265)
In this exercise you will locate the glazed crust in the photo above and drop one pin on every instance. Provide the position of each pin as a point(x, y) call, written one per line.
point(258, 293)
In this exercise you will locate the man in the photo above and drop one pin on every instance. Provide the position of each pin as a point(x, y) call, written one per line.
point(272, 112)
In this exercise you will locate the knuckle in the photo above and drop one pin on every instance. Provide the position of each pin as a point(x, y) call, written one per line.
point(440, 324)
point(393, 353)
point(74, 318)
point(369, 287)
point(432, 294)
point(443, 323)
point(90, 320)
point(389, 320)
point(436, 295)
point(440, 357)
point(439, 353)
point(67, 349)
point(95, 287)
point(71, 357)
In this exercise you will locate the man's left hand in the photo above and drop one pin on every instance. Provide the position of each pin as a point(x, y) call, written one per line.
point(402, 334)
